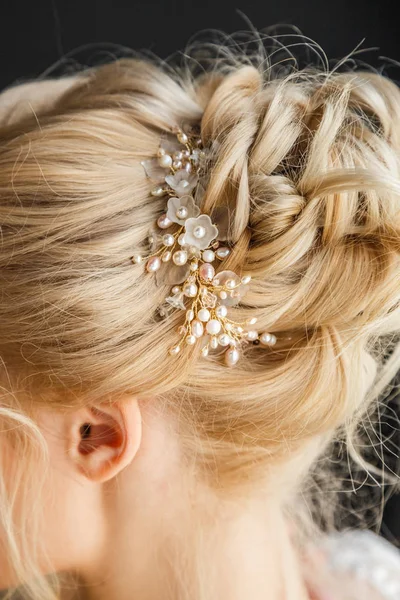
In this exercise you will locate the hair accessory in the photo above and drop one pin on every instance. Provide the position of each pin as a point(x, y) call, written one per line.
point(188, 242)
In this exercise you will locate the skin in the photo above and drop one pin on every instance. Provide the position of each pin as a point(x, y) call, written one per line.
point(121, 508)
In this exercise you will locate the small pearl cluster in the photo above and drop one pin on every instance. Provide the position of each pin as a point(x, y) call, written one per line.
point(193, 246)
point(207, 318)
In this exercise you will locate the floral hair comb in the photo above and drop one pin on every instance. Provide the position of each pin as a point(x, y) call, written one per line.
point(189, 250)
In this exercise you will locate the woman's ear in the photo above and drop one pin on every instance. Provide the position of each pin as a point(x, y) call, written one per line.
point(104, 439)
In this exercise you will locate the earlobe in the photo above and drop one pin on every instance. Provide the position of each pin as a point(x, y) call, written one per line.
point(104, 439)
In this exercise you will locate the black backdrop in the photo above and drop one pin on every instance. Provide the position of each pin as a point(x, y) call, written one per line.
point(37, 33)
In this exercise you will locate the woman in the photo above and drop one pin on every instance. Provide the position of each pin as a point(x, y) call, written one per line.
point(156, 443)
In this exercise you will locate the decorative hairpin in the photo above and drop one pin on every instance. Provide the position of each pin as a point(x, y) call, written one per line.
point(189, 250)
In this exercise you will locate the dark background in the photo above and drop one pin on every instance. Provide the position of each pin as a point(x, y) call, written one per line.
point(35, 34)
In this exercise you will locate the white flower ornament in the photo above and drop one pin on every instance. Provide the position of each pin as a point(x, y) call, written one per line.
point(191, 245)
point(181, 209)
point(200, 232)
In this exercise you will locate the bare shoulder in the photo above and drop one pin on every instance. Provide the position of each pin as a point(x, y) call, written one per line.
point(354, 565)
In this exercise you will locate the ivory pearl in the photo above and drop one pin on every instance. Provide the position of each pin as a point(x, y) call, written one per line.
point(188, 167)
point(252, 335)
point(163, 222)
point(178, 155)
point(214, 343)
point(251, 321)
point(204, 351)
point(207, 271)
point(224, 339)
point(181, 239)
point(160, 152)
point(190, 340)
point(213, 327)
point(267, 339)
point(176, 289)
point(165, 161)
point(168, 239)
point(177, 164)
point(230, 284)
point(221, 311)
point(193, 266)
point(190, 290)
point(153, 264)
point(166, 256)
point(246, 279)
point(137, 259)
point(204, 315)
point(182, 212)
point(197, 328)
point(222, 252)
point(190, 315)
point(231, 357)
point(182, 137)
point(157, 191)
point(174, 350)
point(208, 256)
point(180, 257)
point(223, 295)
point(199, 232)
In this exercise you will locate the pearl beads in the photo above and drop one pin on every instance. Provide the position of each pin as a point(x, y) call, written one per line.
point(267, 339)
point(163, 222)
point(197, 328)
point(204, 315)
point(214, 343)
point(174, 350)
point(208, 256)
point(180, 257)
point(182, 137)
point(252, 335)
point(207, 272)
point(213, 327)
point(190, 290)
point(200, 289)
point(221, 311)
point(231, 357)
point(222, 252)
point(224, 339)
point(182, 212)
point(165, 161)
point(168, 239)
point(199, 232)
point(251, 321)
point(153, 264)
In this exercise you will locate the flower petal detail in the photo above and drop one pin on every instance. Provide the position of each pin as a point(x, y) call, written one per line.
point(153, 170)
point(200, 231)
point(235, 295)
point(176, 301)
point(174, 204)
point(171, 274)
point(182, 182)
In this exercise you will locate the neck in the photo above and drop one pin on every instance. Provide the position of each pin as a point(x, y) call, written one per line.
point(233, 553)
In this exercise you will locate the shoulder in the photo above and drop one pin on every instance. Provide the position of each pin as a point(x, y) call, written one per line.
point(355, 565)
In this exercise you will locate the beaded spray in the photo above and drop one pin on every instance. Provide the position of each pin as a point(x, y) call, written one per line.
point(192, 247)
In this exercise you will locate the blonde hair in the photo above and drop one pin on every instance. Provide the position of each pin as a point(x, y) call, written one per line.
point(309, 165)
